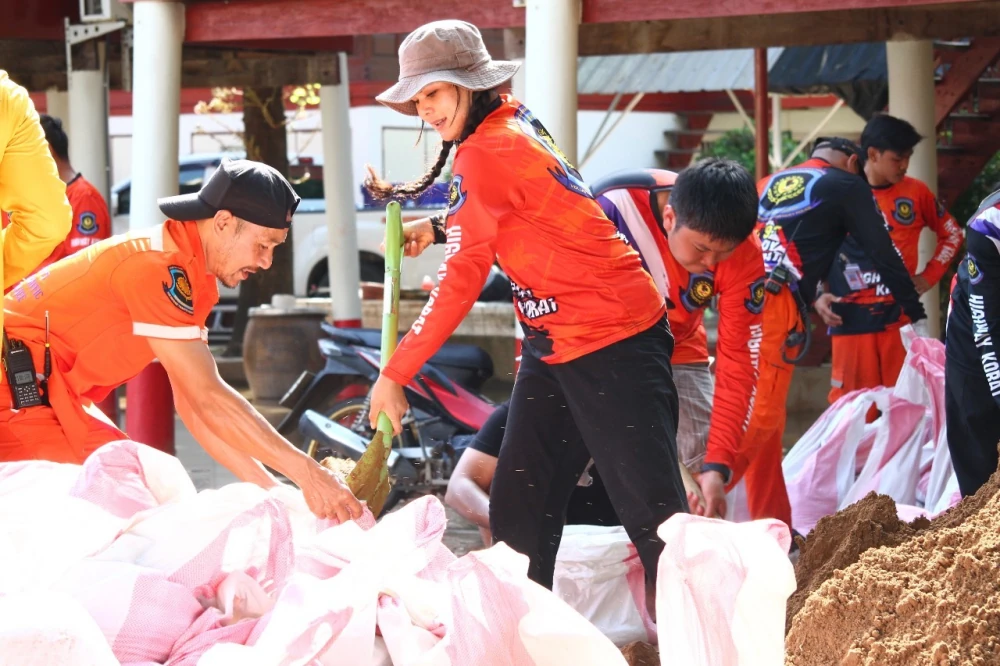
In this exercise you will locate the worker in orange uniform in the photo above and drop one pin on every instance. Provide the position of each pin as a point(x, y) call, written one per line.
point(864, 318)
point(30, 187)
point(594, 381)
point(805, 213)
point(95, 319)
point(694, 233)
point(91, 221)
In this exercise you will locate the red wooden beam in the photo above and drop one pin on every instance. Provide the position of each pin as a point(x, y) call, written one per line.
point(963, 74)
point(618, 11)
point(363, 94)
point(291, 19)
point(37, 20)
point(761, 105)
point(298, 19)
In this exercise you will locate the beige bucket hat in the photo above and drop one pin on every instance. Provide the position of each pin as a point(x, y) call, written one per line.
point(450, 51)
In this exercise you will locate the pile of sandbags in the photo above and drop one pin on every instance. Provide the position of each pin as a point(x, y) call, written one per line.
point(124, 548)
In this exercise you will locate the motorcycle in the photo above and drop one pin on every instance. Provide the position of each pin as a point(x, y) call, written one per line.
point(329, 409)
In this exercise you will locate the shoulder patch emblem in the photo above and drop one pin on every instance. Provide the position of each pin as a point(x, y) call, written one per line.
point(456, 195)
point(87, 224)
point(975, 275)
point(755, 304)
point(178, 290)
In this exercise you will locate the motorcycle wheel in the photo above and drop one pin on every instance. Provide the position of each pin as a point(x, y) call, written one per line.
point(345, 413)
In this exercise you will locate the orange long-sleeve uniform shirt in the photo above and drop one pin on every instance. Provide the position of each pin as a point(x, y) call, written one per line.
point(578, 286)
point(104, 304)
point(908, 207)
point(738, 282)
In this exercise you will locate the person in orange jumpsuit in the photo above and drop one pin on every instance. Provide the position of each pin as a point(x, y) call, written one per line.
point(805, 213)
point(101, 315)
point(694, 233)
point(594, 381)
point(864, 319)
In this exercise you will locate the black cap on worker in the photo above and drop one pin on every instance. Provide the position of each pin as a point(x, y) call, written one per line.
point(251, 191)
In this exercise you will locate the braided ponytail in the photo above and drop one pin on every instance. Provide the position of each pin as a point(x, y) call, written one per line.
point(484, 102)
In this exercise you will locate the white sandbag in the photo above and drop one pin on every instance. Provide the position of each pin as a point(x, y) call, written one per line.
point(49, 629)
point(721, 592)
point(599, 574)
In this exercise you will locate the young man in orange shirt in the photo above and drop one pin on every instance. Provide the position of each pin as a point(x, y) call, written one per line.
point(101, 315)
point(863, 316)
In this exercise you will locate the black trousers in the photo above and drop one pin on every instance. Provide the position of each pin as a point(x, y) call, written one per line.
point(617, 405)
point(973, 418)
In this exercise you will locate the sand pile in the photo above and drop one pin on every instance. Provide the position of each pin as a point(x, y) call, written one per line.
point(932, 596)
point(640, 653)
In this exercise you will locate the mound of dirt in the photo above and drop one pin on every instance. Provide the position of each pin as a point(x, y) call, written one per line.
point(838, 541)
point(641, 654)
point(931, 597)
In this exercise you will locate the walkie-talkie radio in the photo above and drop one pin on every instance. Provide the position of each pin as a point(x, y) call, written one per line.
point(20, 371)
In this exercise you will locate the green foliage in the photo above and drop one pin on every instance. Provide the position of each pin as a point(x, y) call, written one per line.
point(982, 186)
point(738, 145)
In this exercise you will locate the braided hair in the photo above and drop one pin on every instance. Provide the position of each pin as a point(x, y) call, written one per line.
point(483, 103)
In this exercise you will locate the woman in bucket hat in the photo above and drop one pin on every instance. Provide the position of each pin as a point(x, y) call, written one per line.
point(595, 379)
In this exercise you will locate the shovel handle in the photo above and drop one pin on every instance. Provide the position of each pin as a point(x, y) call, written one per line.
point(393, 261)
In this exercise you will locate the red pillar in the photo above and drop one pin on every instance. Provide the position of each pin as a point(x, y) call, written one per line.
point(149, 409)
point(110, 406)
point(760, 113)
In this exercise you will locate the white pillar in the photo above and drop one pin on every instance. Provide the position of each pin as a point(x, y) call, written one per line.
point(513, 46)
point(156, 103)
point(88, 116)
point(911, 97)
point(551, 48)
point(57, 106)
point(338, 186)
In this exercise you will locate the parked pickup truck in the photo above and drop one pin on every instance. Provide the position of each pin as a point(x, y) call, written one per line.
point(311, 276)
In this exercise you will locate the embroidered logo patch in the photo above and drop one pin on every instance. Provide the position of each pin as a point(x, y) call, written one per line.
point(700, 289)
point(456, 195)
point(903, 211)
point(941, 210)
point(178, 290)
point(975, 275)
point(87, 224)
point(755, 304)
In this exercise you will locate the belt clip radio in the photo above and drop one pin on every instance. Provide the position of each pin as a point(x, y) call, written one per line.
point(20, 371)
point(776, 279)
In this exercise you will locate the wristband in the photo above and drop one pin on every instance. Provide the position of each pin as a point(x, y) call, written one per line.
point(437, 224)
point(721, 469)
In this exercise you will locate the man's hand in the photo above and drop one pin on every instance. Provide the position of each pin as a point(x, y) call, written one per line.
point(825, 312)
point(387, 396)
point(921, 284)
point(326, 495)
point(713, 489)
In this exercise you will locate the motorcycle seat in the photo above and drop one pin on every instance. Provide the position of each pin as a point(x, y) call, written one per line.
point(469, 357)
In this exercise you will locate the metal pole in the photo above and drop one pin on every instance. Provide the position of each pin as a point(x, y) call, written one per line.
point(775, 131)
point(911, 97)
point(341, 214)
point(760, 111)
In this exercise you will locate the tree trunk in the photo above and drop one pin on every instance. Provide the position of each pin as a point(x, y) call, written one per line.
point(263, 109)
